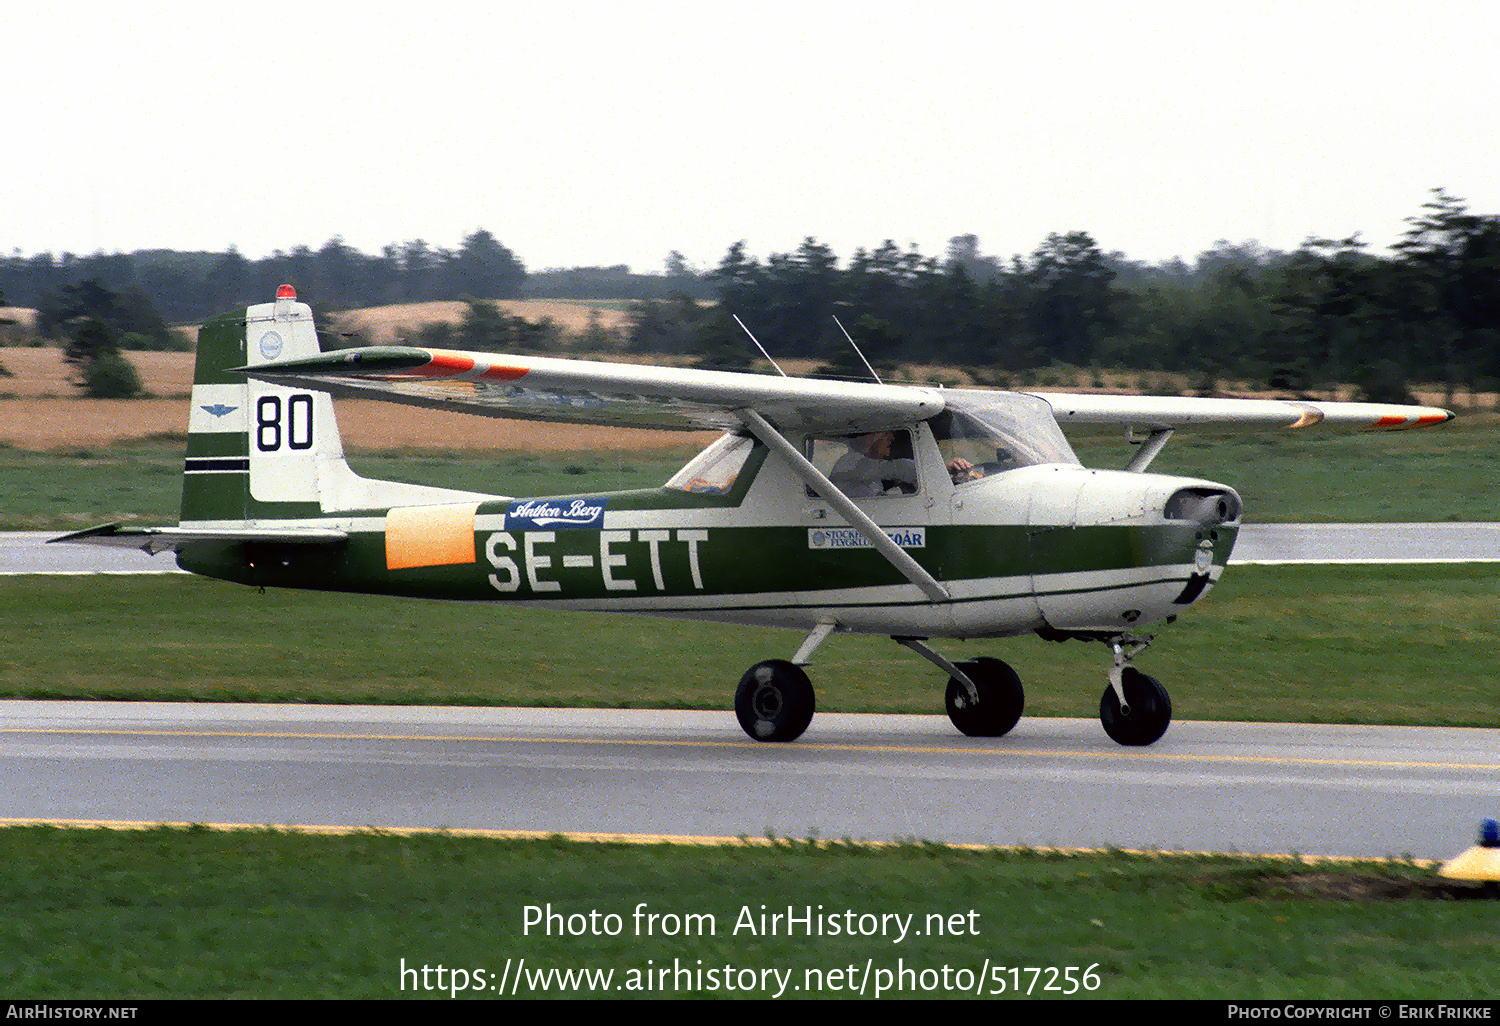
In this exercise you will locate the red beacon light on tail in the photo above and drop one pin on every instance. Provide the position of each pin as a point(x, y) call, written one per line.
point(285, 297)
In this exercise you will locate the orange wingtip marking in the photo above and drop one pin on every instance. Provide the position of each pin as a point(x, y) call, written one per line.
point(444, 364)
point(506, 373)
point(1420, 420)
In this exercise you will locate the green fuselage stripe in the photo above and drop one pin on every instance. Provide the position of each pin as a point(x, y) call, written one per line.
point(664, 563)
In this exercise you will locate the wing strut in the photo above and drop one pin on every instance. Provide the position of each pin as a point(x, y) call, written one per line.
point(858, 518)
point(1151, 447)
point(818, 635)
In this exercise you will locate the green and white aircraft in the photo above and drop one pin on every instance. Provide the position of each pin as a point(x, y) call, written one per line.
point(913, 512)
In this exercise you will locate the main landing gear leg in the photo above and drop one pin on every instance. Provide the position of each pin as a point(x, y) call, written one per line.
point(1135, 708)
point(984, 696)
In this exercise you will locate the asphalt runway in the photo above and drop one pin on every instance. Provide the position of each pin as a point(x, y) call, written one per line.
point(1368, 543)
point(26, 552)
point(1224, 787)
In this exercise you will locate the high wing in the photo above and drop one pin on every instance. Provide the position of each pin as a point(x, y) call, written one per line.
point(593, 392)
point(638, 395)
point(1155, 413)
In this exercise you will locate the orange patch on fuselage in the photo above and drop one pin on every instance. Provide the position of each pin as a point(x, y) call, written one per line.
point(429, 536)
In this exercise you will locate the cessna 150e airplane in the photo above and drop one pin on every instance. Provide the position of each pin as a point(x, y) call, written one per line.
point(825, 506)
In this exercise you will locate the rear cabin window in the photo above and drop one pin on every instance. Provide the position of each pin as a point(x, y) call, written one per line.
point(715, 470)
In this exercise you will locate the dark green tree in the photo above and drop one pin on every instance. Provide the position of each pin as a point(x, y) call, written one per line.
point(1074, 301)
point(483, 267)
point(229, 283)
point(111, 376)
point(485, 326)
point(1451, 262)
point(89, 339)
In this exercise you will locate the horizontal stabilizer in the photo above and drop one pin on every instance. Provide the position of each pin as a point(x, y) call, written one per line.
point(164, 539)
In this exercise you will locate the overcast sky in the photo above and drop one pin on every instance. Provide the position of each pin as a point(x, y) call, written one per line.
point(613, 133)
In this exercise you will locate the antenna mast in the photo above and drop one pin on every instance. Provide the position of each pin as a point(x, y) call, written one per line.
point(762, 348)
point(857, 350)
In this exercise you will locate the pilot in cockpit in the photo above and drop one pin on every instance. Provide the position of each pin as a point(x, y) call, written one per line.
point(881, 463)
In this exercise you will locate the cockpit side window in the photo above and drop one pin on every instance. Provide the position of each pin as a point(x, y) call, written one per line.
point(715, 470)
point(867, 465)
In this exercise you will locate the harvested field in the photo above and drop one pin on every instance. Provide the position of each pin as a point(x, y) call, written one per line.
point(41, 372)
point(380, 322)
point(46, 413)
point(53, 423)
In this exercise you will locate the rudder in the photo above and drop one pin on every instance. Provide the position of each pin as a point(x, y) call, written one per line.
point(256, 450)
point(260, 452)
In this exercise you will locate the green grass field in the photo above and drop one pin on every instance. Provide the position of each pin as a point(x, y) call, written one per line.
point(141, 482)
point(1339, 644)
point(196, 913)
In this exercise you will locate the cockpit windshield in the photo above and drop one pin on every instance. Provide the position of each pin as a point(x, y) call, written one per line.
point(986, 433)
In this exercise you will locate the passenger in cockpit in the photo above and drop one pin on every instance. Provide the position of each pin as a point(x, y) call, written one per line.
point(870, 467)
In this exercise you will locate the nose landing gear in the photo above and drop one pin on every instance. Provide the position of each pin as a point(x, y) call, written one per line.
point(1135, 709)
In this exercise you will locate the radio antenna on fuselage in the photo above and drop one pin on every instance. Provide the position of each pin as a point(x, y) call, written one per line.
point(857, 350)
point(762, 348)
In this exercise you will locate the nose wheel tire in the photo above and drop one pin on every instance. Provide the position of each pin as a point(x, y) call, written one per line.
point(774, 701)
point(1001, 699)
point(1149, 709)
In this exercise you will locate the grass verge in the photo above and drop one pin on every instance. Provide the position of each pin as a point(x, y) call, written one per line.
point(173, 913)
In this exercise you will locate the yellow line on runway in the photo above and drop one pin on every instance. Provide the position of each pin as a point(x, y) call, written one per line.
point(719, 842)
point(1124, 754)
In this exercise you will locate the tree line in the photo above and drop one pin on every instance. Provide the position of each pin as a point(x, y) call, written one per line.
point(1329, 312)
point(187, 288)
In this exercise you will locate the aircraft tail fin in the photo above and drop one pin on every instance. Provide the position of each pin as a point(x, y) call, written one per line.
point(258, 451)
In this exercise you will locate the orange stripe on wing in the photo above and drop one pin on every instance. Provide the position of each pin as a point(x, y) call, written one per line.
point(1420, 420)
point(444, 364)
point(447, 363)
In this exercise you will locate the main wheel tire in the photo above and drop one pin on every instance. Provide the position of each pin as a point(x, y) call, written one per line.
point(1001, 699)
point(1150, 710)
point(774, 701)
